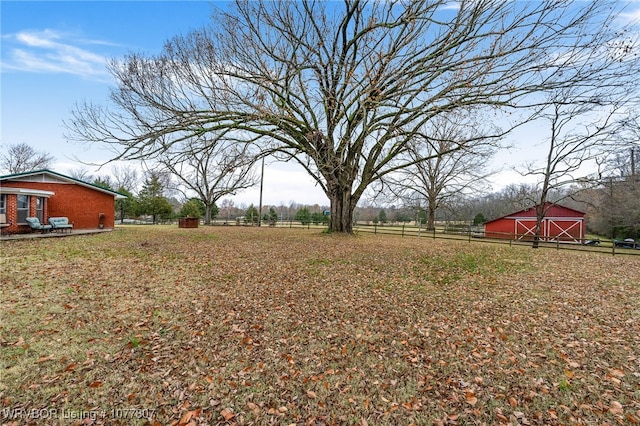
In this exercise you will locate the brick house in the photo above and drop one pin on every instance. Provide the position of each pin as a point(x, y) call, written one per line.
point(44, 194)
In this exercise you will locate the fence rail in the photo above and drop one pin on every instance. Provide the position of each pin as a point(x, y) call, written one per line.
point(463, 233)
point(472, 234)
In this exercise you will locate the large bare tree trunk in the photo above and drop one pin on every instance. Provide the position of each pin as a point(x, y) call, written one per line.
point(207, 213)
point(431, 215)
point(540, 214)
point(342, 206)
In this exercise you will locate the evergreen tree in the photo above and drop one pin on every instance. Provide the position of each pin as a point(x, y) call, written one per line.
point(272, 217)
point(193, 208)
point(382, 217)
point(251, 215)
point(103, 182)
point(151, 200)
point(303, 216)
point(318, 218)
point(479, 219)
point(125, 206)
point(422, 217)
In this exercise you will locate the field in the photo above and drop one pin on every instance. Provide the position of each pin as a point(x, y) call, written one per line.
point(223, 325)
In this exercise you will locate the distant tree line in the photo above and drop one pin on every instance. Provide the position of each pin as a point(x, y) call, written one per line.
point(611, 200)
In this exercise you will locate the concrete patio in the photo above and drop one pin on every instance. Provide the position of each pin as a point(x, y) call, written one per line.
point(36, 234)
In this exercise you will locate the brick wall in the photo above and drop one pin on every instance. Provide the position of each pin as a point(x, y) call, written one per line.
point(12, 213)
point(80, 204)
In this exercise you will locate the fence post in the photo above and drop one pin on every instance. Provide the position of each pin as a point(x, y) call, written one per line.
point(375, 229)
point(434, 231)
point(403, 229)
point(469, 234)
point(613, 248)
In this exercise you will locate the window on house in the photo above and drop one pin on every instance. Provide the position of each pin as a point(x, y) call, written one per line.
point(3, 203)
point(40, 209)
point(23, 208)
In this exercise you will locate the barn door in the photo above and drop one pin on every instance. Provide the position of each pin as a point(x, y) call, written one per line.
point(567, 230)
point(525, 229)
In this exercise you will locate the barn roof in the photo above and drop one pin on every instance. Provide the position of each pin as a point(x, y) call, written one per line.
point(548, 207)
point(54, 177)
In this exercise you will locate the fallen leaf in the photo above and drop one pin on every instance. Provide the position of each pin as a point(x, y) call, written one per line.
point(616, 408)
point(227, 414)
point(616, 372)
point(470, 398)
point(186, 418)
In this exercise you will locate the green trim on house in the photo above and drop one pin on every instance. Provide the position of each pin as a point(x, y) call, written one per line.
point(60, 176)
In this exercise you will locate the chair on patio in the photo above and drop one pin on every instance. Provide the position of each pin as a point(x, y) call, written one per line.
point(34, 223)
point(60, 224)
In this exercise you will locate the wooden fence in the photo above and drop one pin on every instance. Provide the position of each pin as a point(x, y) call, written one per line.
point(457, 232)
point(476, 234)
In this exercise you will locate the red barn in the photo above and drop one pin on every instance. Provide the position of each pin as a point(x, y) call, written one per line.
point(44, 194)
point(559, 223)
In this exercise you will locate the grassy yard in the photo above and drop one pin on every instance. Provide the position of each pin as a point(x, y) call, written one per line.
point(291, 326)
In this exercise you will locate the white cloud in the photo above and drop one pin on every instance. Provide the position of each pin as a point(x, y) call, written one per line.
point(631, 16)
point(50, 51)
point(284, 183)
point(451, 6)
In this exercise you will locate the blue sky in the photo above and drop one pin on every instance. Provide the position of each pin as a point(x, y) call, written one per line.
point(53, 55)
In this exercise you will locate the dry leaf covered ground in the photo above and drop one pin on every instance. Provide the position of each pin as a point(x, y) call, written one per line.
point(282, 326)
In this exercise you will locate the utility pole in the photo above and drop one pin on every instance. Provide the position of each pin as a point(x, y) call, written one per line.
point(260, 205)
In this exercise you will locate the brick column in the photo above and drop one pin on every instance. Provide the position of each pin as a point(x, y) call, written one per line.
point(32, 206)
point(12, 213)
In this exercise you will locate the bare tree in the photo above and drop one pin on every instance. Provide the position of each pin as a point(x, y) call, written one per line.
point(81, 173)
point(85, 175)
point(125, 177)
point(614, 208)
point(344, 89)
point(211, 167)
point(581, 126)
point(626, 163)
point(615, 204)
point(22, 157)
point(625, 160)
point(227, 206)
point(449, 162)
